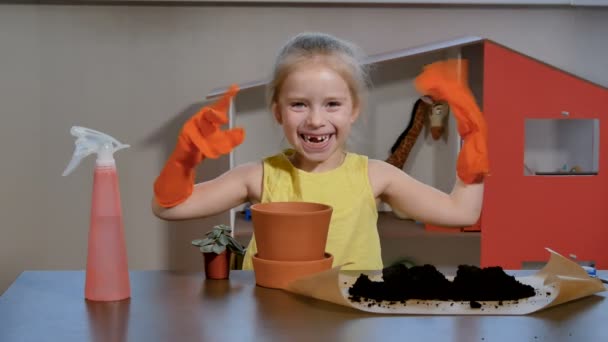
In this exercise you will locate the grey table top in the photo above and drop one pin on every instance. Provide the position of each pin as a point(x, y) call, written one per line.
point(171, 306)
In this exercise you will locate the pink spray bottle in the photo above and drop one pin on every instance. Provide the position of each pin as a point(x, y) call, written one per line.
point(107, 272)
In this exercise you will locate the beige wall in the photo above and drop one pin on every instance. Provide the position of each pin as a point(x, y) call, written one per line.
point(138, 72)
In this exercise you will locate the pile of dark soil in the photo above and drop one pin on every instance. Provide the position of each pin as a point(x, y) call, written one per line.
point(427, 283)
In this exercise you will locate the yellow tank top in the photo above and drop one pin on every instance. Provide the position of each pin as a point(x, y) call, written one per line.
point(353, 234)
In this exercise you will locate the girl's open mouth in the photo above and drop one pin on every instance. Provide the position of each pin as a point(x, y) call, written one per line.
point(316, 142)
point(315, 139)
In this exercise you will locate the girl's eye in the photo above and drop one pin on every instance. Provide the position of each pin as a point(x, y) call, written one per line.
point(334, 104)
point(297, 104)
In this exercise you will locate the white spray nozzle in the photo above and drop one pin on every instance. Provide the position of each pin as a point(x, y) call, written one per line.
point(89, 141)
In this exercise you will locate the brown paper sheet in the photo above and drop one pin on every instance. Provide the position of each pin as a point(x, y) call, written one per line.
point(561, 280)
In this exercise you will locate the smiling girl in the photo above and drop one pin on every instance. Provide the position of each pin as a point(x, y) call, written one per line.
point(317, 90)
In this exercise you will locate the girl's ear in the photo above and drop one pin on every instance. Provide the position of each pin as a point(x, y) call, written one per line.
point(276, 113)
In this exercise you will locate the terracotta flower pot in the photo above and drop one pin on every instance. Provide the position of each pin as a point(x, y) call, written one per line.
point(278, 274)
point(291, 231)
point(217, 266)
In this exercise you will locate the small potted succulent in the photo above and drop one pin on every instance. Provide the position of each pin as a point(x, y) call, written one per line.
point(216, 248)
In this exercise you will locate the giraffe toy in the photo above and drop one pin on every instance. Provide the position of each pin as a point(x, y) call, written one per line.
point(404, 144)
point(437, 117)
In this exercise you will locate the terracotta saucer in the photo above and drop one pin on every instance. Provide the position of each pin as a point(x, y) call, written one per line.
point(278, 274)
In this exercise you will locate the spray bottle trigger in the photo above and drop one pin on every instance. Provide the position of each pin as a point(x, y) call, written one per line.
point(80, 153)
point(90, 141)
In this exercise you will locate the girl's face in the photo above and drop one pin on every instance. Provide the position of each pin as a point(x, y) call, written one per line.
point(315, 108)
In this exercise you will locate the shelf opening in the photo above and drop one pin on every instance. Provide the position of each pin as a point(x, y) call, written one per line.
point(561, 147)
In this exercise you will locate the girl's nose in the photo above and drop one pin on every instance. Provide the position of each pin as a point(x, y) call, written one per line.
point(315, 118)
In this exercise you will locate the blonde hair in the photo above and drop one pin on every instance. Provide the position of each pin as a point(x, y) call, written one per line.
point(342, 56)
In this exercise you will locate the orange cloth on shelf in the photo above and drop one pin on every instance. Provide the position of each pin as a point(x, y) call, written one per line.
point(447, 80)
point(201, 137)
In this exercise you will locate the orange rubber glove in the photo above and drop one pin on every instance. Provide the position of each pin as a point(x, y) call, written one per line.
point(200, 138)
point(447, 80)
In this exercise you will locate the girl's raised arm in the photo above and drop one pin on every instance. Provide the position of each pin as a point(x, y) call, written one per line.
point(175, 196)
point(462, 207)
point(447, 81)
point(227, 191)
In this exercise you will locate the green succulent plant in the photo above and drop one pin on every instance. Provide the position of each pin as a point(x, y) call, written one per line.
point(217, 240)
